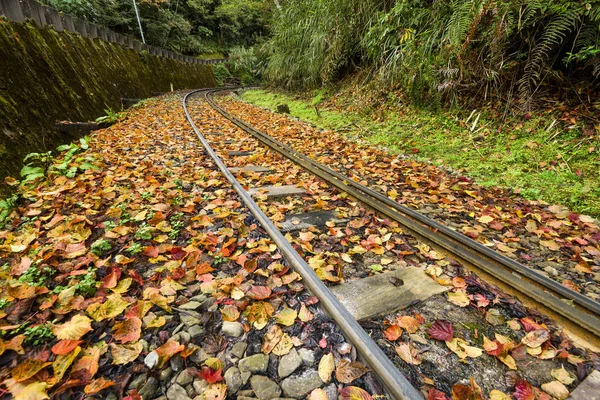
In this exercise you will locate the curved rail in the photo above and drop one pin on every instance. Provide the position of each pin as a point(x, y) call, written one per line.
point(393, 380)
point(581, 311)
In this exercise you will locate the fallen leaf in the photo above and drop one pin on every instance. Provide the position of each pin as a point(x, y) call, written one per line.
point(556, 389)
point(125, 353)
point(393, 332)
point(128, 330)
point(562, 375)
point(286, 316)
point(459, 298)
point(348, 372)
point(441, 330)
point(33, 391)
point(326, 367)
point(354, 393)
point(536, 338)
point(408, 354)
point(27, 369)
point(75, 329)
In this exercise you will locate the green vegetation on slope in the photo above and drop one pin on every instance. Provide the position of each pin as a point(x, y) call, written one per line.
point(511, 51)
point(535, 156)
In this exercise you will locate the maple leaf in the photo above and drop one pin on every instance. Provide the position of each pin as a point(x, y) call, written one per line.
point(210, 375)
point(75, 329)
point(441, 330)
point(524, 391)
point(354, 393)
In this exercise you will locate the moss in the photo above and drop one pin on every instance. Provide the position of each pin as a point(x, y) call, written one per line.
point(64, 76)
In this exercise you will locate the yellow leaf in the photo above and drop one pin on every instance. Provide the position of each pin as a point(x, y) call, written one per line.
point(125, 353)
point(284, 346)
point(286, 317)
point(326, 367)
point(75, 329)
point(33, 391)
point(113, 306)
point(556, 390)
point(562, 375)
point(459, 298)
point(63, 362)
point(498, 395)
point(305, 315)
point(272, 338)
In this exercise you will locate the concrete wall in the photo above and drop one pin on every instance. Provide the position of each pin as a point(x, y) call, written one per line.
point(48, 75)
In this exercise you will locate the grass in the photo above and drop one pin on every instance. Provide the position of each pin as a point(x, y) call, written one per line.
point(541, 160)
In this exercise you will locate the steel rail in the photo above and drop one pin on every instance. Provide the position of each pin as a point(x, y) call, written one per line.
point(584, 312)
point(394, 381)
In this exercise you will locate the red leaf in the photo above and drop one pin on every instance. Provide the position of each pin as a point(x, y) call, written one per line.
point(524, 391)
point(136, 277)
point(210, 375)
point(441, 330)
point(65, 346)
point(259, 292)
point(530, 325)
point(323, 342)
point(177, 253)
point(435, 394)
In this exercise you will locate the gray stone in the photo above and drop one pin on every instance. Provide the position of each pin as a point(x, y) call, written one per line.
point(233, 378)
point(264, 388)
point(246, 398)
point(182, 337)
point(149, 389)
point(190, 318)
point(254, 364)
point(195, 331)
point(308, 356)
point(239, 349)
point(199, 298)
point(289, 363)
point(200, 385)
point(176, 363)
point(234, 329)
point(199, 356)
point(299, 386)
point(112, 396)
point(331, 391)
point(185, 377)
point(137, 382)
point(165, 374)
point(151, 360)
point(176, 392)
point(245, 376)
point(551, 271)
point(248, 393)
point(191, 305)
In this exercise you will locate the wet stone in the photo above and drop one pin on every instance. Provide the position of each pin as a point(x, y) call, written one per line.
point(233, 378)
point(149, 389)
point(137, 382)
point(289, 363)
point(233, 329)
point(195, 331)
point(308, 356)
point(199, 356)
point(200, 385)
point(165, 374)
point(264, 388)
point(185, 377)
point(299, 386)
point(239, 349)
point(331, 391)
point(190, 305)
point(176, 392)
point(176, 363)
point(254, 364)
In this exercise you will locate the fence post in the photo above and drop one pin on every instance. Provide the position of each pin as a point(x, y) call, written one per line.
point(53, 18)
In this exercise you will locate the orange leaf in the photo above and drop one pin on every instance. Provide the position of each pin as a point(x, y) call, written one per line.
point(128, 330)
point(97, 385)
point(393, 332)
point(28, 368)
point(65, 346)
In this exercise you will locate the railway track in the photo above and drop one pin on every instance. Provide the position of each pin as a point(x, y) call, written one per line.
point(579, 315)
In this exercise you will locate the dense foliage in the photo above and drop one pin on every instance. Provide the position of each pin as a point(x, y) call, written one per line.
point(511, 49)
point(185, 26)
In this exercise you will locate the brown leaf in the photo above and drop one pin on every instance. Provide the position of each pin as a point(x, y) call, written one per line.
point(348, 372)
point(128, 330)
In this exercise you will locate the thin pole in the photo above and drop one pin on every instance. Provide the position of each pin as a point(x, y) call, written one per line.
point(137, 14)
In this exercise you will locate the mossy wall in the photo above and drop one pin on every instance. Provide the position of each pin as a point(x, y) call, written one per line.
point(47, 76)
